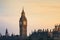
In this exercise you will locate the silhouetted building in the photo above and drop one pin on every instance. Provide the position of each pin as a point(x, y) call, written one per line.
point(56, 32)
point(23, 24)
point(40, 35)
point(6, 33)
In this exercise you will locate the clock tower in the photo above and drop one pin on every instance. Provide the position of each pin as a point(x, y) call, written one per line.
point(23, 24)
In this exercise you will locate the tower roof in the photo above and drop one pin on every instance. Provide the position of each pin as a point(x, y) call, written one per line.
point(22, 13)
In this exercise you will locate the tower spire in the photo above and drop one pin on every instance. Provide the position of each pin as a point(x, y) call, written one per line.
point(22, 8)
point(6, 33)
point(23, 13)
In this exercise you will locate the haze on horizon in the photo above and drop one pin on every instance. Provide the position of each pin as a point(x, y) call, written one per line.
point(39, 13)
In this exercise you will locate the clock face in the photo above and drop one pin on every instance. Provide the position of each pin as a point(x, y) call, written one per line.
point(24, 22)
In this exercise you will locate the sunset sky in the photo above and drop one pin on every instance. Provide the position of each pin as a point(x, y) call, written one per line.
point(40, 14)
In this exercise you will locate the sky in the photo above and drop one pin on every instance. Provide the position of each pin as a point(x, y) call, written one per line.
point(40, 14)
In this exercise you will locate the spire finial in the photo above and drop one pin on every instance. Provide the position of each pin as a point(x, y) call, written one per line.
point(23, 8)
point(23, 13)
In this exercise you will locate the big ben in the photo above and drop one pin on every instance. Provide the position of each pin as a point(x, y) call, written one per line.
point(23, 24)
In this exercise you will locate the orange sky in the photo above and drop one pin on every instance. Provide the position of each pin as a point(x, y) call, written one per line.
point(40, 14)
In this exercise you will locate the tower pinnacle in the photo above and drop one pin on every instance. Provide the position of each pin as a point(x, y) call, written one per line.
point(23, 13)
point(6, 33)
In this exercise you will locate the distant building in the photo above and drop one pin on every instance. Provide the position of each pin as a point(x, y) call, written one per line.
point(56, 32)
point(6, 33)
point(40, 35)
point(23, 24)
